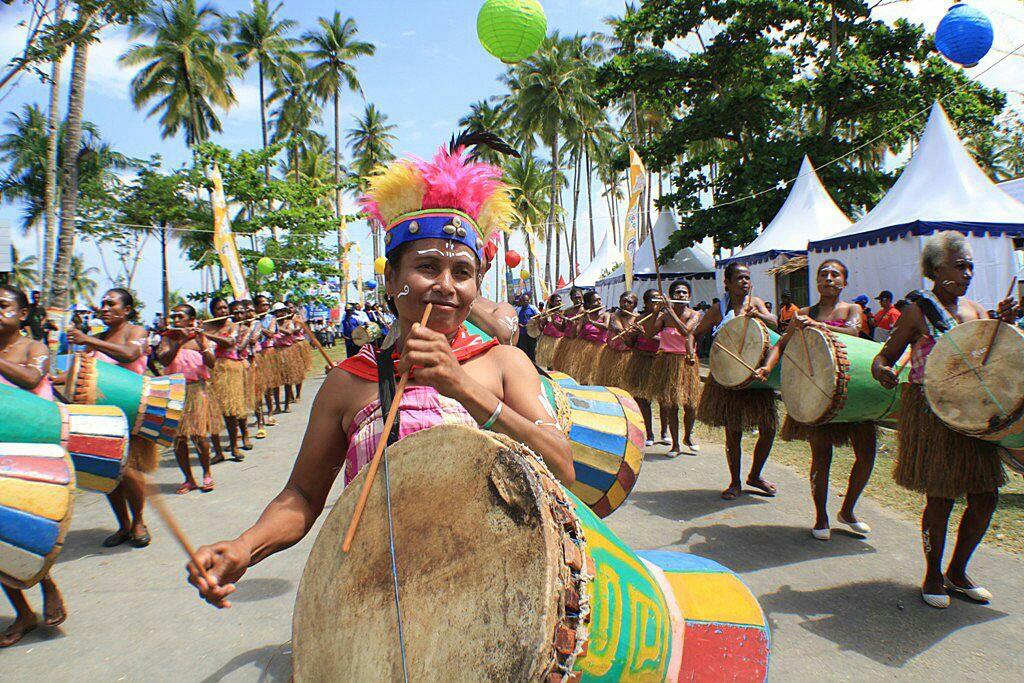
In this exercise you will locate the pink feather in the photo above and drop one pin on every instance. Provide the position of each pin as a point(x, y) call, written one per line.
point(455, 182)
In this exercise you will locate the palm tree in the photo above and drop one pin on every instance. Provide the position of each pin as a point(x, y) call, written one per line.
point(371, 142)
point(296, 113)
point(529, 179)
point(186, 68)
point(83, 286)
point(484, 115)
point(261, 38)
point(24, 276)
point(334, 47)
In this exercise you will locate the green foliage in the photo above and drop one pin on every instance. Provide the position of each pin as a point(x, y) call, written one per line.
point(770, 81)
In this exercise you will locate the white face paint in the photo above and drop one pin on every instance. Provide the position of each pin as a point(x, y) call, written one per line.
point(9, 314)
point(404, 292)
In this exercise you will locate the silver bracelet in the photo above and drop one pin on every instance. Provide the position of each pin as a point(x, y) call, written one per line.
point(494, 417)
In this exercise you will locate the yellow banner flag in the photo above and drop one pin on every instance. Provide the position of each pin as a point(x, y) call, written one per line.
point(631, 239)
point(224, 239)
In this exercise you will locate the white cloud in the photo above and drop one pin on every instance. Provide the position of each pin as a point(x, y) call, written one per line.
point(408, 34)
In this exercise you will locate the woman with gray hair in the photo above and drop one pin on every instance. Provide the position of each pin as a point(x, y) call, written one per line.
point(933, 459)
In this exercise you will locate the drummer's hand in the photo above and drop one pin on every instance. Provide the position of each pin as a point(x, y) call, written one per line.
point(435, 363)
point(802, 321)
point(76, 336)
point(762, 372)
point(690, 358)
point(225, 563)
point(885, 375)
point(1007, 310)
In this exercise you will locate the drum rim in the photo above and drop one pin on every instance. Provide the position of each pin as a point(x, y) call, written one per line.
point(80, 394)
point(994, 430)
point(765, 344)
point(840, 374)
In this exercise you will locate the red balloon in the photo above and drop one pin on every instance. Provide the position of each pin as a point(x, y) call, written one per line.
point(512, 259)
point(490, 251)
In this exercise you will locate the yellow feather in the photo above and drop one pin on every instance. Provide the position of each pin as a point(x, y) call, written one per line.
point(497, 213)
point(397, 189)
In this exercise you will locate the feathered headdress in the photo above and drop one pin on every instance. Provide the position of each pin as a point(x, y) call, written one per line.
point(452, 196)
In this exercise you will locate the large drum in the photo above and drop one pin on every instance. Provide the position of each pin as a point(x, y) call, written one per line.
point(826, 377)
point(96, 437)
point(503, 576)
point(748, 339)
point(984, 401)
point(152, 405)
point(606, 431)
point(1013, 459)
point(37, 484)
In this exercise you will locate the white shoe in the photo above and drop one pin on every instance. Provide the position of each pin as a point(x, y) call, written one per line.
point(672, 454)
point(822, 534)
point(664, 441)
point(976, 593)
point(694, 448)
point(857, 527)
point(935, 600)
point(649, 442)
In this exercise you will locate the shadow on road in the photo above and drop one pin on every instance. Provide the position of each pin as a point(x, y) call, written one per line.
point(759, 546)
point(273, 662)
point(688, 504)
point(882, 620)
point(83, 542)
point(256, 589)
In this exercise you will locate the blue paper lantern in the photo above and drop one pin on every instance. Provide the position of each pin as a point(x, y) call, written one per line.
point(964, 35)
point(371, 285)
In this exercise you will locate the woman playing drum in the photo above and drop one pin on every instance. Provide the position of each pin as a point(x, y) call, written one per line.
point(434, 248)
point(125, 344)
point(845, 318)
point(676, 367)
point(24, 363)
point(739, 409)
point(933, 459)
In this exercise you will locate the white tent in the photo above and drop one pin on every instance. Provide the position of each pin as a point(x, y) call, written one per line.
point(807, 214)
point(604, 260)
point(1014, 188)
point(940, 188)
point(692, 264)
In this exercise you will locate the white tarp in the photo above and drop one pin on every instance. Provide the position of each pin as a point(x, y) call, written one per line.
point(1014, 188)
point(692, 264)
point(6, 266)
point(605, 258)
point(809, 213)
point(940, 188)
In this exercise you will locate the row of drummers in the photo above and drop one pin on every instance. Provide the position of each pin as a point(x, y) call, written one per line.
point(97, 424)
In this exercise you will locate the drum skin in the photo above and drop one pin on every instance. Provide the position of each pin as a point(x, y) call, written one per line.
point(482, 591)
point(607, 437)
point(37, 484)
point(96, 437)
point(749, 339)
point(984, 401)
point(837, 386)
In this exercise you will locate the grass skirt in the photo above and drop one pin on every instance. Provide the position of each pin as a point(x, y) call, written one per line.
point(611, 367)
point(143, 454)
point(201, 416)
point(251, 389)
point(306, 354)
point(586, 363)
point(266, 375)
point(292, 369)
point(545, 351)
point(564, 354)
point(737, 409)
point(838, 433)
point(934, 460)
point(636, 377)
point(229, 388)
point(677, 382)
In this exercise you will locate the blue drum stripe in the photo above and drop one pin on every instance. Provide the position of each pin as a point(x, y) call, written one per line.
point(609, 443)
point(28, 532)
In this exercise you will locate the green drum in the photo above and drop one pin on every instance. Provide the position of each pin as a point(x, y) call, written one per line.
point(739, 347)
point(983, 400)
point(521, 582)
point(826, 377)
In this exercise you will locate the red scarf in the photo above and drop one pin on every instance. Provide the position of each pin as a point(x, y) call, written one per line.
point(464, 346)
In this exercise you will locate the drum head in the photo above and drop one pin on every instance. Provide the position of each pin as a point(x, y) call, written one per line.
point(534, 328)
point(809, 374)
point(960, 390)
point(478, 558)
point(744, 337)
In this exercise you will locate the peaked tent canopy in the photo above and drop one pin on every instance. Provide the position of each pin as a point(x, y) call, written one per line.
point(940, 188)
point(807, 214)
point(604, 260)
point(692, 264)
point(1014, 188)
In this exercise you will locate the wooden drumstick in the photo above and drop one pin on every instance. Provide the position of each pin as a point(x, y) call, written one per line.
point(735, 357)
point(381, 445)
point(316, 343)
point(158, 502)
point(992, 339)
point(746, 318)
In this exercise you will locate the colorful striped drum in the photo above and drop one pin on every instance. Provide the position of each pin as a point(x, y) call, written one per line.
point(559, 400)
point(725, 636)
point(153, 405)
point(739, 347)
point(607, 438)
point(37, 484)
point(96, 437)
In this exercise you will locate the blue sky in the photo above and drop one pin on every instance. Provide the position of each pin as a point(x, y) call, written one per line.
point(429, 67)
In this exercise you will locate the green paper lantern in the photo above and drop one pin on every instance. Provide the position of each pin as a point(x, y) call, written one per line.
point(265, 265)
point(511, 30)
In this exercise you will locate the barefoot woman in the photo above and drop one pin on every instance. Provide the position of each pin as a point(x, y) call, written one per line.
point(932, 459)
point(24, 363)
point(436, 216)
point(844, 318)
point(127, 345)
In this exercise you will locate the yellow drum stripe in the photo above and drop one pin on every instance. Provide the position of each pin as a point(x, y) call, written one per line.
point(89, 481)
point(599, 460)
point(592, 395)
point(84, 409)
point(608, 424)
point(587, 494)
point(634, 457)
point(43, 500)
point(718, 597)
point(616, 495)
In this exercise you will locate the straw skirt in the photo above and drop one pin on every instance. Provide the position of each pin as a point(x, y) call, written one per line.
point(737, 409)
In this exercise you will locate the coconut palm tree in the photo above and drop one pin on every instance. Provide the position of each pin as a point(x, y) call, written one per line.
point(261, 38)
point(295, 114)
point(24, 275)
point(185, 68)
point(82, 286)
point(484, 115)
point(370, 142)
point(529, 180)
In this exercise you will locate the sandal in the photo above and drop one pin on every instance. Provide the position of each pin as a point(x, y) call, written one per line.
point(185, 488)
point(732, 493)
point(764, 486)
point(15, 632)
point(217, 459)
point(261, 433)
point(269, 421)
point(143, 539)
point(207, 484)
point(117, 538)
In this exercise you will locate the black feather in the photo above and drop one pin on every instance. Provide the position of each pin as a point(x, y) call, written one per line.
point(473, 139)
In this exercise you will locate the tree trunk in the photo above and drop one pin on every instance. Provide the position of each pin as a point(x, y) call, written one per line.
point(547, 258)
point(165, 282)
point(554, 206)
point(337, 204)
point(69, 176)
point(50, 183)
point(266, 164)
point(558, 261)
point(574, 249)
point(590, 198)
point(533, 269)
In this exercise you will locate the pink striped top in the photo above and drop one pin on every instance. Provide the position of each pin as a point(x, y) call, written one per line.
point(647, 344)
point(593, 333)
point(43, 390)
point(188, 362)
point(138, 366)
point(550, 330)
point(918, 355)
point(672, 341)
point(422, 407)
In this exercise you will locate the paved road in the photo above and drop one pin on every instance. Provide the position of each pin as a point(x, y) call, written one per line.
point(843, 610)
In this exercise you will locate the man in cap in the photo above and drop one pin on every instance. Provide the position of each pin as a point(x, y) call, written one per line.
point(886, 316)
